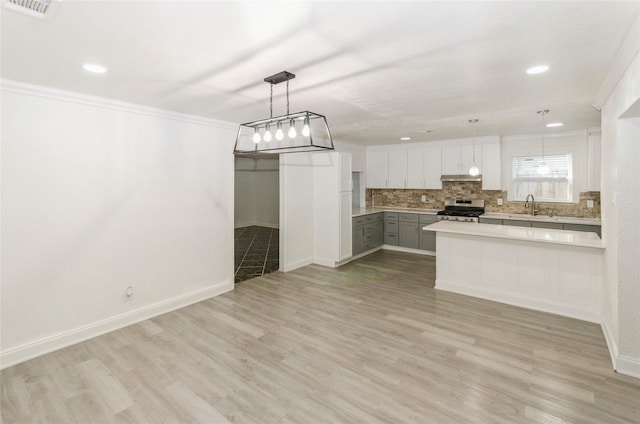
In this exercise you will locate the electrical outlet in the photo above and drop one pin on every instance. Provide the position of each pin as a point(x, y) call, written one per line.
point(128, 293)
point(590, 203)
point(424, 198)
point(499, 202)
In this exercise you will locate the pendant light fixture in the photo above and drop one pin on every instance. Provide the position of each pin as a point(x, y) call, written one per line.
point(474, 171)
point(314, 135)
point(543, 169)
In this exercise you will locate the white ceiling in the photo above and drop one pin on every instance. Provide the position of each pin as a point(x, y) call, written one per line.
point(378, 70)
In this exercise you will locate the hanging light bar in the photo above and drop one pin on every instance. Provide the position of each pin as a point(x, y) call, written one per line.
point(314, 136)
point(543, 169)
point(474, 171)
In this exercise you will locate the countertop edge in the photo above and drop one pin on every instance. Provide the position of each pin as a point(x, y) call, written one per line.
point(499, 231)
point(356, 212)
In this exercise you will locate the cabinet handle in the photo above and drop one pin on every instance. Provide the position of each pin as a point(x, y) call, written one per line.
point(405, 183)
point(386, 183)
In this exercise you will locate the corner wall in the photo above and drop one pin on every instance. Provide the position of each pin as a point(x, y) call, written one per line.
point(99, 196)
point(620, 207)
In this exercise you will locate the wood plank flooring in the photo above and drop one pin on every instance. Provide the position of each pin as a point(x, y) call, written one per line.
point(370, 342)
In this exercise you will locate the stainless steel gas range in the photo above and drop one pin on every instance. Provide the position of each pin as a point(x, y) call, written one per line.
point(461, 210)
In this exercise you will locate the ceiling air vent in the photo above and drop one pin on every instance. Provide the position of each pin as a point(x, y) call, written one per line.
point(36, 8)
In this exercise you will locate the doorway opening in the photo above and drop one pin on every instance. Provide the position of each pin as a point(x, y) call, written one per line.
point(256, 217)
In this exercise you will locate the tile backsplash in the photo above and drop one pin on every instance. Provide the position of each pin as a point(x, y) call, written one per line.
point(411, 198)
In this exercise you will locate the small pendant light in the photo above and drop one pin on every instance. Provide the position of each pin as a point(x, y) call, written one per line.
point(474, 171)
point(543, 169)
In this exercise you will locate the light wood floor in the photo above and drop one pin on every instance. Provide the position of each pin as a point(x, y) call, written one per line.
point(369, 342)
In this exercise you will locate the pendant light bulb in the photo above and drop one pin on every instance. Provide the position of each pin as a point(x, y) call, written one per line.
point(292, 129)
point(279, 133)
point(305, 130)
point(267, 134)
point(256, 135)
point(543, 169)
point(474, 171)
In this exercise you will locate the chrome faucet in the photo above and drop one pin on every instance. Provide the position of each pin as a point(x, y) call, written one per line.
point(533, 204)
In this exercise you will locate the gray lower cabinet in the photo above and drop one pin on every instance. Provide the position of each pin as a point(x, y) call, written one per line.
point(367, 232)
point(409, 230)
point(550, 225)
point(357, 239)
point(581, 227)
point(391, 228)
point(516, 223)
point(490, 221)
point(542, 224)
point(427, 238)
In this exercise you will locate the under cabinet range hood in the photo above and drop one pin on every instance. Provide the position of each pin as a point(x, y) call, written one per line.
point(461, 177)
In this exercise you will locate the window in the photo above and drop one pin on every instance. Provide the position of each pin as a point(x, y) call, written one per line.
point(556, 186)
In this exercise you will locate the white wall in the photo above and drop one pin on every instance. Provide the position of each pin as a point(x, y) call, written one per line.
point(296, 210)
point(358, 155)
point(257, 188)
point(574, 142)
point(621, 205)
point(98, 196)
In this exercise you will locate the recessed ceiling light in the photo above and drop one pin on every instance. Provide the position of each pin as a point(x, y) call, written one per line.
point(405, 138)
point(92, 67)
point(537, 69)
point(555, 124)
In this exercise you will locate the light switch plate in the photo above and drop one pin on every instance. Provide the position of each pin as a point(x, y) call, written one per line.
point(499, 202)
point(590, 203)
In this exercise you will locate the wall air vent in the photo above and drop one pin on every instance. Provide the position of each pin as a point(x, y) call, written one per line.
point(37, 8)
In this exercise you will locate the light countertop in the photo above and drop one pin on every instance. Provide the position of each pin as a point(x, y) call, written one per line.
point(539, 235)
point(542, 218)
point(366, 211)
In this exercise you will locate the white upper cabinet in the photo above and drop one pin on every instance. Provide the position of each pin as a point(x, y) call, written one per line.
point(377, 169)
point(432, 162)
point(491, 166)
point(397, 169)
point(415, 168)
point(457, 159)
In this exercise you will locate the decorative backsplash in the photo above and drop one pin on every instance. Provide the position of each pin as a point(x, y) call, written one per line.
point(405, 198)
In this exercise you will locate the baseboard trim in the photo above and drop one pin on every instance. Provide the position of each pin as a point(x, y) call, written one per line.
point(257, 224)
point(536, 304)
point(49, 344)
point(628, 366)
point(325, 262)
point(295, 265)
point(611, 343)
point(408, 250)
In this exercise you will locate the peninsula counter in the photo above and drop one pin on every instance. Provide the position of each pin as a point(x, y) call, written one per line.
point(549, 270)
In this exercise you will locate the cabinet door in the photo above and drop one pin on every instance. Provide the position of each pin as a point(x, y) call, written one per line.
point(491, 167)
point(490, 221)
point(428, 240)
point(377, 169)
point(357, 238)
point(432, 164)
point(345, 226)
point(582, 227)
point(415, 168)
point(451, 164)
point(516, 223)
point(409, 236)
point(550, 225)
point(397, 169)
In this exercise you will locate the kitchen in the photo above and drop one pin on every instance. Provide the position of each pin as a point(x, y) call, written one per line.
point(118, 207)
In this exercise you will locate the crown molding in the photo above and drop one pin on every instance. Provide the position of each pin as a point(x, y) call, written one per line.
point(12, 86)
